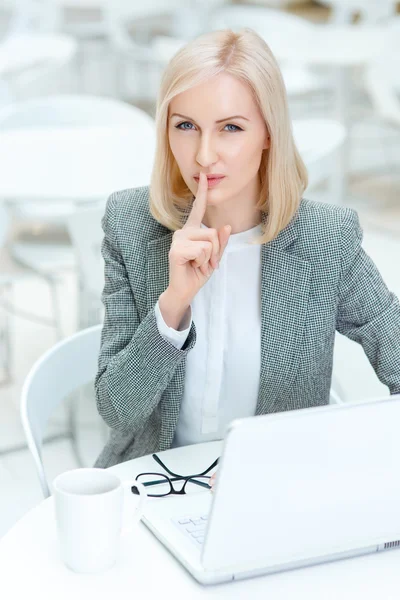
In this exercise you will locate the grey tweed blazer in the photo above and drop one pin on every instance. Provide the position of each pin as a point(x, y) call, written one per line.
point(316, 279)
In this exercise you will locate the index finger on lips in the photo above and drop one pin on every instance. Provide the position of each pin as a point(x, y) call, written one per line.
point(200, 203)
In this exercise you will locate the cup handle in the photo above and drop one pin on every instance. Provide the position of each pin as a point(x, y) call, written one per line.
point(137, 514)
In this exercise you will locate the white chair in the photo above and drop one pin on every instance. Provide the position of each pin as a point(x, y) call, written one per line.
point(86, 234)
point(5, 282)
point(66, 112)
point(280, 4)
point(33, 55)
point(319, 142)
point(382, 76)
point(129, 28)
point(369, 11)
point(382, 83)
point(83, 20)
point(32, 65)
point(10, 273)
point(63, 369)
point(299, 79)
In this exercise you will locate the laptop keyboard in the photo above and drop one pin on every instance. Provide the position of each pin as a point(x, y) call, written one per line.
point(193, 527)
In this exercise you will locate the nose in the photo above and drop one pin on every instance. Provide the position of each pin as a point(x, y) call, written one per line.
point(206, 153)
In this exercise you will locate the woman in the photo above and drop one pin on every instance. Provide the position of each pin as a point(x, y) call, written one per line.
point(222, 297)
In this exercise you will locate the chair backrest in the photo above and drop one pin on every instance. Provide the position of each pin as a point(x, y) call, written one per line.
point(4, 223)
point(70, 110)
point(34, 16)
point(120, 16)
point(318, 141)
point(382, 76)
point(62, 369)
point(84, 227)
point(369, 11)
point(263, 20)
point(49, 15)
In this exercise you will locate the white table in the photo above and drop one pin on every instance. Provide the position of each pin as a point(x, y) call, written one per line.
point(30, 564)
point(76, 164)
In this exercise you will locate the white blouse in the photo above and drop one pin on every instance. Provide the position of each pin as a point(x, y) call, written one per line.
point(223, 368)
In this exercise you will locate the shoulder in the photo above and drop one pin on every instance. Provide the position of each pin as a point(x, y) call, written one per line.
point(128, 214)
point(313, 214)
point(326, 232)
point(315, 220)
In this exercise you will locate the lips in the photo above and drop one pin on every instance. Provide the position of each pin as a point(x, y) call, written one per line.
point(211, 177)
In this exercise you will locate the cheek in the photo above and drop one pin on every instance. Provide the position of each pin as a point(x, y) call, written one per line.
point(178, 149)
point(247, 153)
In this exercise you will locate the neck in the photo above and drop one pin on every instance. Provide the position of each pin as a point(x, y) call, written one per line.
point(239, 224)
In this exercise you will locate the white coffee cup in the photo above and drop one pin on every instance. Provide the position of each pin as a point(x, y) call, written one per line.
point(89, 507)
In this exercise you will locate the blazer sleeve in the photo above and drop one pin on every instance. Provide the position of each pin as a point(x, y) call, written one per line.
point(135, 363)
point(367, 312)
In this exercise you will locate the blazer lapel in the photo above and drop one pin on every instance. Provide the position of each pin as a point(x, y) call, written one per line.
point(285, 284)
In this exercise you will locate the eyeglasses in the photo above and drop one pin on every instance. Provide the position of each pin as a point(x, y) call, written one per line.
point(164, 485)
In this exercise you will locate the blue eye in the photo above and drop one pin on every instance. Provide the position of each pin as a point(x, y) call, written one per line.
point(184, 123)
point(236, 127)
point(179, 126)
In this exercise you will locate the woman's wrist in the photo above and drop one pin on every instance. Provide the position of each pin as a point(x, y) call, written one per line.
point(173, 308)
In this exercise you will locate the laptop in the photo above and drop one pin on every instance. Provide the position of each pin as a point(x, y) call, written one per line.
point(293, 489)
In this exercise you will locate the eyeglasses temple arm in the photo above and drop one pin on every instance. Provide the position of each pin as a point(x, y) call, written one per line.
point(159, 461)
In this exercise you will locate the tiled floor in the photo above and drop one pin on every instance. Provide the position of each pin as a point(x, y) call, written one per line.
point(375, 190)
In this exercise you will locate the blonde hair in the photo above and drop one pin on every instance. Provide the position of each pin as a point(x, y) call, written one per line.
point(283, 175)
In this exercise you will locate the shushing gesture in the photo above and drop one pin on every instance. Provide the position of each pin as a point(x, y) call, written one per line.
point(195, 252)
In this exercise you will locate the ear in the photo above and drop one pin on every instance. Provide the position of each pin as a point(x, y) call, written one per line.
point(267, 142)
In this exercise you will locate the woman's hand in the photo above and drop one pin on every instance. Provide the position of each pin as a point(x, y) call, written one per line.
point(211, 483)
point(195, 252)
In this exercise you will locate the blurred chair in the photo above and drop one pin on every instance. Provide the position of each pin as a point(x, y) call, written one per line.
point(280, 4)
point(11, 273)
point(130, 28)
point(83, 20)
point(59, 112)
point(382, 83)
point(86, 234)
point(319, 142)
point(368, 11)
point(5, 284)
point(34, 16)
point(63, 369)
point(30, 62)
point(299, 80)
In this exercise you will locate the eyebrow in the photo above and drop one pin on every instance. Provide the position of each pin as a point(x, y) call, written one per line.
point(219, 121)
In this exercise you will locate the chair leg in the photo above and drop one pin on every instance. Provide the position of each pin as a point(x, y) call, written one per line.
point(5, 343)
point(72, 419)
point(56, 307)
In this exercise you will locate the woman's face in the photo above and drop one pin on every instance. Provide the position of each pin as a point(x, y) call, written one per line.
point(231, 147)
